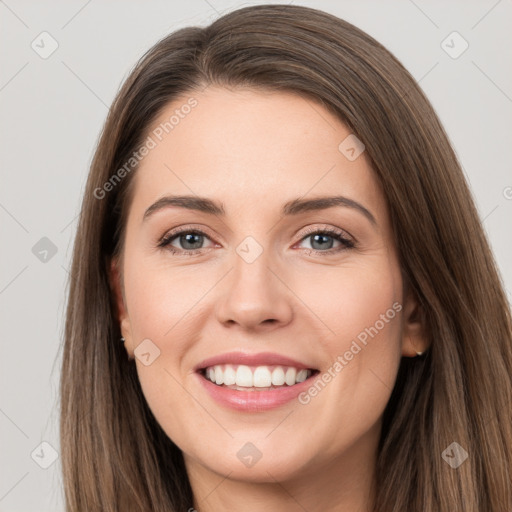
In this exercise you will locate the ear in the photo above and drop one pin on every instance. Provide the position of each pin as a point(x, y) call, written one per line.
point(414, 338)
point(117, 288)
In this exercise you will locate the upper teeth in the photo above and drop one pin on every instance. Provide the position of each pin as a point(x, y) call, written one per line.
point(257, 376)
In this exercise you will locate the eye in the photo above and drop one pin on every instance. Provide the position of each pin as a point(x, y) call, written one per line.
point(322, 240)
point(191, 241)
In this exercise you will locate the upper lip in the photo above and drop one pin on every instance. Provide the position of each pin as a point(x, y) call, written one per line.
point(259, 359)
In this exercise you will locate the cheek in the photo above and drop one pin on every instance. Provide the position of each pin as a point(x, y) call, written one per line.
point(360, 308)
point(351, 300)
point(366, 303)
point(163, 305)
point(160, 299)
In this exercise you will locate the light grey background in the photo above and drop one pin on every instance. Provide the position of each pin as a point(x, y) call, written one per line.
point(51, 113)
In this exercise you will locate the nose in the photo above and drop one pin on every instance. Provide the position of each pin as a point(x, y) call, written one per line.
point(255, 296)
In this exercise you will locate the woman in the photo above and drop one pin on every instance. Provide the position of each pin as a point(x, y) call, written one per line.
point(366, 370)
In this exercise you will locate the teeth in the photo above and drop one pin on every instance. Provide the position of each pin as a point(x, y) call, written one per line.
point(243, 376)
point(229, 376)
point(262, 377)
point(278, 376)
point(219, 375)
point(302, 375)
point(255, 377)
point(290, 375)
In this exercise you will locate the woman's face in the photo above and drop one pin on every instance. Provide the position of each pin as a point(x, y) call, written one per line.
point(271, 283)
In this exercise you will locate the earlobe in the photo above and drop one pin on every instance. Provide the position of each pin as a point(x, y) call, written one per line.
point(120, 307)
point(414, 338)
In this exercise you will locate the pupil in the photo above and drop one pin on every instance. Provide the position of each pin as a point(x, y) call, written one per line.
point(324, 237)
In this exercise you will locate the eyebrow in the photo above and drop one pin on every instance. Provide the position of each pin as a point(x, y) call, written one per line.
point(294, 207)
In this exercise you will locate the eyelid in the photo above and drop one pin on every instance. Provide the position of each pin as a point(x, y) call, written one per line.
point(327, 228)
point(199, 228)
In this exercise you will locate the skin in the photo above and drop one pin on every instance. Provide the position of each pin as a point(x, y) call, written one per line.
point(253, 151)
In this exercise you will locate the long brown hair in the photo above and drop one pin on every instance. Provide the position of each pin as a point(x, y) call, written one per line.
point(115, 456)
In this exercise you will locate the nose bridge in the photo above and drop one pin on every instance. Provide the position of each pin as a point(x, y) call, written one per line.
point(252, 267)
point(253, 293)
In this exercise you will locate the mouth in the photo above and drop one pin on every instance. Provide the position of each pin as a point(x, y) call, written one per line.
point(254, 382)
point(256, 378)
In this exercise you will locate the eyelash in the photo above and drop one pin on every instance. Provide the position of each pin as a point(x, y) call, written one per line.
point(339, 235)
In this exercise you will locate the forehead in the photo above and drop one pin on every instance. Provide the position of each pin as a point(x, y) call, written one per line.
point(251, 148)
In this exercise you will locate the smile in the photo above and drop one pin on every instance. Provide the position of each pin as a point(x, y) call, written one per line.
point(254, 382)
point(255, 378)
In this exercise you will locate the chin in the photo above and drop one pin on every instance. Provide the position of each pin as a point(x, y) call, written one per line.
point(248, 463)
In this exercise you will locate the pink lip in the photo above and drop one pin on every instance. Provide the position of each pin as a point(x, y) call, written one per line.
point(253, 401)
point(260, 359)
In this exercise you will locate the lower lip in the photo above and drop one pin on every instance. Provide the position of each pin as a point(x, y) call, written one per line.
point(253, 401)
